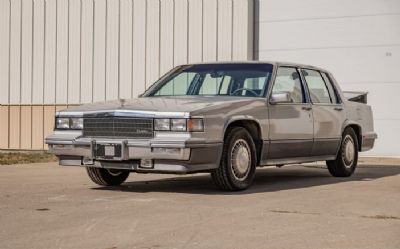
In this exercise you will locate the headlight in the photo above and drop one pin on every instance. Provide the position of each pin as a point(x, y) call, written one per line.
point(77, 123)
point(178, 124)
point(69, 123)
point(62, 123)
point(162, 124)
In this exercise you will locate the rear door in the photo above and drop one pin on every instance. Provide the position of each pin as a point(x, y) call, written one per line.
point(328, 112)
point(291, 124)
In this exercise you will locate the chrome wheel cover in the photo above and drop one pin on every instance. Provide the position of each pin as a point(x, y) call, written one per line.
point(348, 151)
point(240, 159)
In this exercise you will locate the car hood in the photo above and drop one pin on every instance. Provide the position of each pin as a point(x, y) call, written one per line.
point(182, 104)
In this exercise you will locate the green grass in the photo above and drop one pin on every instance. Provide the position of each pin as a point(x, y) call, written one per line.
point(7, 158)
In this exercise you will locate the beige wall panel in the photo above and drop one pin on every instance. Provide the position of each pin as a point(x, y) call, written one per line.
point(181, 34)
point(87, 52)
point(152, 41)
point(62, 53)
point(15, 127)
point(125, 49)
point(210, 25)
point(242, 30)
point(224, 30)
point(48, 122)
point(99, 74)
point(195, 36)
point(61, 107)
point(112, 31)
point(15, 52)
point(37, 127)
point(4, 126)
point(50, 52)
point(26, 127)
point(26, 52)
point(166, 36)
point(80, 51)
point(38, 52)
point(4, 49)
point(139, 48)
point(74, 52)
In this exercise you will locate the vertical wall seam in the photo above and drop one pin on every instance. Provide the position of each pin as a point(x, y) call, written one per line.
point(9, 52)
point(20, 55)
point(80, 51)
point(132, 45)
point(173, 32)
point(42, 145)
point(31, 127)
point(119, 48)
point(33, 49)
point(56, 56)
point(44, 48)
point(105, 56)
point(202, 30)
point(20, 127)
point(145, 44)
point(159, 37)
point(9, 125)
point(216, 34)
point(93, 47)
point(232, 28)
point(68, 44)
point(187, 32)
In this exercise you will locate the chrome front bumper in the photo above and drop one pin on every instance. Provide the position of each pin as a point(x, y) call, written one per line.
point(167, 156)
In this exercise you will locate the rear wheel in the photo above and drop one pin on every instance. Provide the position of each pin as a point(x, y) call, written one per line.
point(346, 161)
point(238, 162)
point(107, 177)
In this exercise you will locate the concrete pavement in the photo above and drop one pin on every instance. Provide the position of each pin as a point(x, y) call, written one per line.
point(47, 206)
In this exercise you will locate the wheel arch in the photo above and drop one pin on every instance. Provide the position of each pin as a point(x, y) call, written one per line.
point(253, 127)
point(357, 129)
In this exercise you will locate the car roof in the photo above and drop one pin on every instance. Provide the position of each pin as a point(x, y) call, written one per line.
point(275, 63)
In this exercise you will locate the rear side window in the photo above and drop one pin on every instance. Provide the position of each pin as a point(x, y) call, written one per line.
point(331, 89)
point(319, 92)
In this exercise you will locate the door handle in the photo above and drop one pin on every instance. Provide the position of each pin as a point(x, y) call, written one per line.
point(338, 108)
point(307, 108)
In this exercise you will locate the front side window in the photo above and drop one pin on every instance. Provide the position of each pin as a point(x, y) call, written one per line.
point(319, 92)
point(288, 80)
point(246, 80)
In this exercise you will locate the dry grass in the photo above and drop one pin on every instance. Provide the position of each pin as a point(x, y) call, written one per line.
point(7, 158)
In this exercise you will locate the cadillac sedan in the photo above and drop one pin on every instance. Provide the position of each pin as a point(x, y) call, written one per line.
point(223, 118)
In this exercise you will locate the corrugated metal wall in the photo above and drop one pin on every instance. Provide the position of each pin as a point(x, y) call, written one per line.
point(78, 51)
point(358, 41)
point(55, 53)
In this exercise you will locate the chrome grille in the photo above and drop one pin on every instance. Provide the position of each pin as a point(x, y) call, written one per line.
point(120, 127)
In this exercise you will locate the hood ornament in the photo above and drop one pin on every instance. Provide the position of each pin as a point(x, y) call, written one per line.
point(122, 102)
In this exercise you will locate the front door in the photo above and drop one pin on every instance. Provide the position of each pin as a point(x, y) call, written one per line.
point(328, 112)
point(291, 124)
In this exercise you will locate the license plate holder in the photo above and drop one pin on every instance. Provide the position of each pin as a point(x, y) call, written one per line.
point(109, 151)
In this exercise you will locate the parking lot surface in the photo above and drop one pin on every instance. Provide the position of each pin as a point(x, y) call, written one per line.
point(47, 206)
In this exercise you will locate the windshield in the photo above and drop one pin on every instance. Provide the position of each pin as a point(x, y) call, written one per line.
point(247, 80)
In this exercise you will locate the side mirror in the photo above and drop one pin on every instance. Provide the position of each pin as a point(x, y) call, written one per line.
point(280, 97)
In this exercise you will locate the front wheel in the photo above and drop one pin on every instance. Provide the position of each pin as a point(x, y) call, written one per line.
point(346, 160)
point(238, 162)
point(107, 177)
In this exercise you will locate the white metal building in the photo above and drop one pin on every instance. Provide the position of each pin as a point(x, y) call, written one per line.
point(55, 53)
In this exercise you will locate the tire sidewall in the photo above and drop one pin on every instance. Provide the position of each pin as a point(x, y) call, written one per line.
point(240, 133)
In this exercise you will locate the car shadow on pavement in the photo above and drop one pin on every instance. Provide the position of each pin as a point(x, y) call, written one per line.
point(266, 180)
